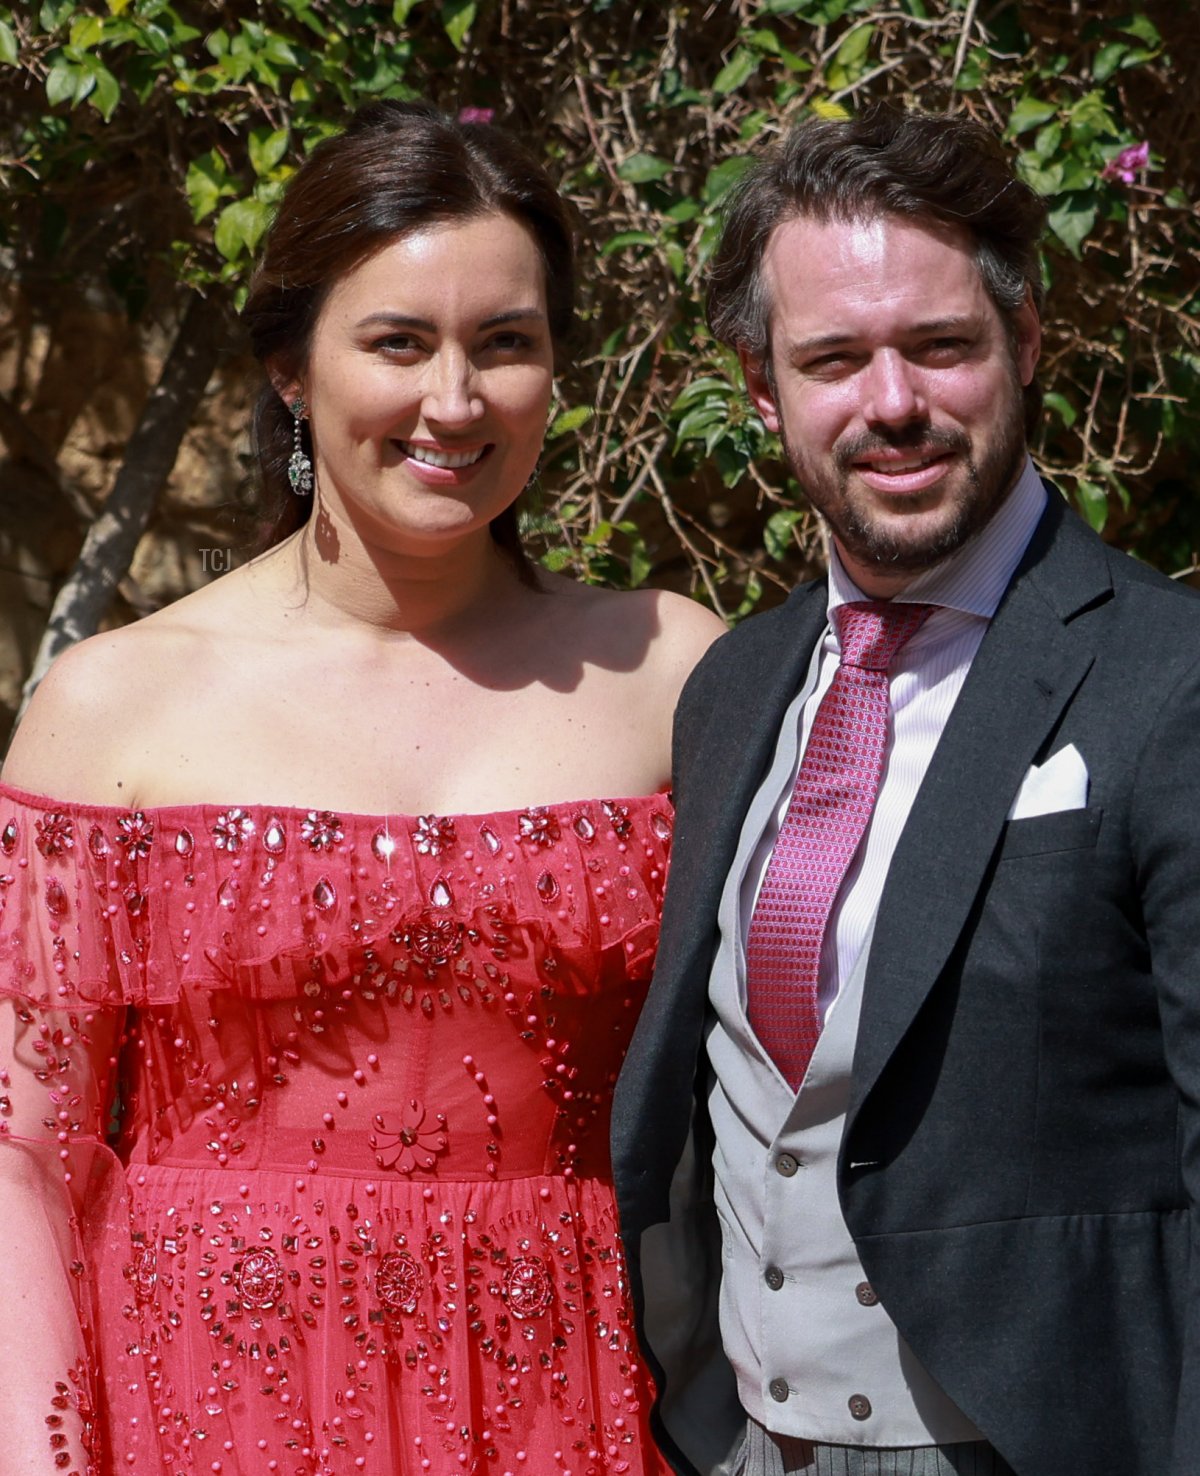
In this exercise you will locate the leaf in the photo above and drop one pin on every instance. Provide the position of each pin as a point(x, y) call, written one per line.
point(570, 420)
point(738, 70)
point(86, 31)
point(54, 12)
point(777, 535)
point(825, 108)
point(700, 389)
point(1046, 143)
point(108, 90)
point(696, 424)
point(1108, 59)
point(765, 41)
point(626, 238)
point(1093, 503)
point(458, 16)
point(206, 182)
point(267, 147)
point(1028, 113)
point(722, 177)
point(402, 9)
point(643, 168)
point(1142, 27)
point(9, 53)
point(60, 81)
point(280, 51)
point(241, 225)
point(1062, 407)
point(1071, 218)
point(853, 51)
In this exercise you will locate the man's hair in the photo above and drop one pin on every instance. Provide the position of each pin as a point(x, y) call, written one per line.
point(921, 167)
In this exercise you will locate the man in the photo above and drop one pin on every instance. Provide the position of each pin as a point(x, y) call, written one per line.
point(924, 1040)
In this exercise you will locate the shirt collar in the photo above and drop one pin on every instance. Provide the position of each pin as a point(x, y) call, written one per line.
point(974, 577)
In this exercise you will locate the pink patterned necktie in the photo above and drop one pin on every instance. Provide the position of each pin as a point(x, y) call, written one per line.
point(831, 804)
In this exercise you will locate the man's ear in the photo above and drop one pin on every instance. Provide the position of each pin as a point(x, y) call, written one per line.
point(1028, 338)
point(759, 388)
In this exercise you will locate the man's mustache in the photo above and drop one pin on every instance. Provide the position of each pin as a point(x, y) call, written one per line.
point(917, 436)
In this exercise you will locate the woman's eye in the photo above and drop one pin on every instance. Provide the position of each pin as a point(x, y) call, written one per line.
point(510, 342)
point(398, 343)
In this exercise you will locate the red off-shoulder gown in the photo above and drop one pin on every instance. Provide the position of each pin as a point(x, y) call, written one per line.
point(324, 1100)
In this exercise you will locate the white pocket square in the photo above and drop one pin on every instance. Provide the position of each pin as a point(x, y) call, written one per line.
point(1061, 783)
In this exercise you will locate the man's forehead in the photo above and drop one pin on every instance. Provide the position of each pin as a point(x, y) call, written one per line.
point(886, 230)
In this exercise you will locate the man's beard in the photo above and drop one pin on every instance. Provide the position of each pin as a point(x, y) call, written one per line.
point(878, 542)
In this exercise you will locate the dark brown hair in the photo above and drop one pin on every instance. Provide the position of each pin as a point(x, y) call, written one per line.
point(397, 168)
point(919, 166)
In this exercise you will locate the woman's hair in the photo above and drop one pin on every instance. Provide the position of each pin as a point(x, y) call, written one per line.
point(923, 167)
point(397, 168)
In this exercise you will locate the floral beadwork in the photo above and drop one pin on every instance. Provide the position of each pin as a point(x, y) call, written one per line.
point(618, 818)
point(321, 830)
point(398, 1282)
point(135, 833)
point(433, 834)
point(55, 833)
point(528, 1290)
point(538, 827)
point(415, 1144)
point(258, 1278)
point(232, 830)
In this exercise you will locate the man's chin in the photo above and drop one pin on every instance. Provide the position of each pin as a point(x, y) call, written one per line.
point(904, 545)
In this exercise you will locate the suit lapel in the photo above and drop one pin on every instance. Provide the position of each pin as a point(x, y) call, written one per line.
point(1028, 666)
point(731, 744)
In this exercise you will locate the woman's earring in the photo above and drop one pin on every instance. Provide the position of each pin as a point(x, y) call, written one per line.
point(299, 468)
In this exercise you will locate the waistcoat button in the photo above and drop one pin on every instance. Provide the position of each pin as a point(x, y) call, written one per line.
point(860, 1406)
point(786, 1165)
point(773, 1276)
point(866, 1294)
point(779, 1390)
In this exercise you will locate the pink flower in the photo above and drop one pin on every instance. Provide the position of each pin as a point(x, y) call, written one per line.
point(476, 115)
point(420, 1137)
point(1127, 162)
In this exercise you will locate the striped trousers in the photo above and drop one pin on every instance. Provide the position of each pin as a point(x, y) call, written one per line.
point(765, 1454)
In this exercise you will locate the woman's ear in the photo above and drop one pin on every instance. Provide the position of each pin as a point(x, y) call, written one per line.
point(286, 385)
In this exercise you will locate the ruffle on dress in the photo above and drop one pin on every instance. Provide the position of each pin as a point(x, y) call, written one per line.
point(108, 907)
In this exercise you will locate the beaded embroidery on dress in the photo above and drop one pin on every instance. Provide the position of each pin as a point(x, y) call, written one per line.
point(327, 1099)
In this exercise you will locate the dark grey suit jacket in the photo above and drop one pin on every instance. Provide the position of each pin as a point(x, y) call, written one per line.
point(1021, 1163)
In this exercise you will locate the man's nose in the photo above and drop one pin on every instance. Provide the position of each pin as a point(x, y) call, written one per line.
point(892, 390)
point(452, 392)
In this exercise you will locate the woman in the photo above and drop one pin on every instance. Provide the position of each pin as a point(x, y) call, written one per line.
point(300, 904)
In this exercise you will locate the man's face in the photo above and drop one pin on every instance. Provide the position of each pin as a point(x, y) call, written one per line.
point(897, 388)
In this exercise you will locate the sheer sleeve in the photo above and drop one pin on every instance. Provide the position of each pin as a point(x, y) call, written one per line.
point(61, 1015)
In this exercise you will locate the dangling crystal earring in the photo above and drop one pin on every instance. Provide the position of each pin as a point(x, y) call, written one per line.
point(299, 468)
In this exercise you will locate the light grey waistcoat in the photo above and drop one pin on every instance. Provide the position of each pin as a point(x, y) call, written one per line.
point(815, 1353)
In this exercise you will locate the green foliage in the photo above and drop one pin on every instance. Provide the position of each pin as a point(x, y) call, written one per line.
point(147, 143)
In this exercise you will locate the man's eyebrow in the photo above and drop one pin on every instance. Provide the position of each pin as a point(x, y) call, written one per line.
point(423, 325)
point(959, 323)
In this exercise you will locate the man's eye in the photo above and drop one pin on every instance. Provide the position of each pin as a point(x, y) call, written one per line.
point(946, 346)
point(829, 364)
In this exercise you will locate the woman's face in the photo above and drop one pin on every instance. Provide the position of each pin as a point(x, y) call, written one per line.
point(428, 383)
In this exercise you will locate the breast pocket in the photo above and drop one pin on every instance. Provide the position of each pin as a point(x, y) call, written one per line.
point(1044, 835)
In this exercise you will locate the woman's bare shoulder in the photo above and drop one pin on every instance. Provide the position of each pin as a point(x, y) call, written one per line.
point(102, 699)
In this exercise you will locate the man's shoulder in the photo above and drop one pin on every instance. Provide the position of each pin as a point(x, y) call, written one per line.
point(1079, 571)
point(748, 658)
point(805, 605)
